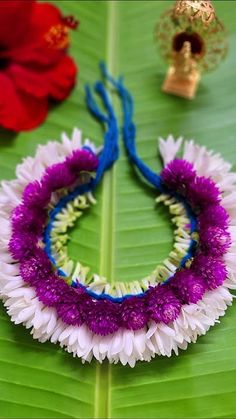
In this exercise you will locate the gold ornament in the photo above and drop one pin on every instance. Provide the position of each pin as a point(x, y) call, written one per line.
point(192, 40)
point(195, 10)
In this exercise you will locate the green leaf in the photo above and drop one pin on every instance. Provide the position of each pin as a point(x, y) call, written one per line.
point(124, 236)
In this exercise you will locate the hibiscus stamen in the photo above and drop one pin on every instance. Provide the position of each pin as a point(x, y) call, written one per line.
point(58, 36)
point(70, 22)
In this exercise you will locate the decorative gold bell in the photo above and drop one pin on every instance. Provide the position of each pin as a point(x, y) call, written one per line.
point(192, 40)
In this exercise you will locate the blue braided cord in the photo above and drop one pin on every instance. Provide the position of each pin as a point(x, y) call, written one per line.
point(108, 157)
point(129, 135)
point(104, 296)
point(61, 273)
point(110, 152)
point(129, 131)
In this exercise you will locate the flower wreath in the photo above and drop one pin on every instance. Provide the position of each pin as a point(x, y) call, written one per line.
point(56, 298)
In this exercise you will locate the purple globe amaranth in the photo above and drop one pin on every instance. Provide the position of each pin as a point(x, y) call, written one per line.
point(22, 245)
point(214, 241)
point(35, 195)
point(28, 220)
point(134, 314)
point(36, 267)
point(70, 313)
point(203, 192)
point(102, 317)
point(163, 305)
point(188, 286)
point(58, 176)
point(213, 215)
point(82, 160)
point(50, 291)
point(178, 174)
point(212, 270)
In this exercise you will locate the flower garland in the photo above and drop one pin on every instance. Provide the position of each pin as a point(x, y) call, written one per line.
point(161, 303)
point(123, 327)
point(179, 310)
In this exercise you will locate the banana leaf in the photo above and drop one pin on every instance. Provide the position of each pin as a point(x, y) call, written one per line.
point(125, 235)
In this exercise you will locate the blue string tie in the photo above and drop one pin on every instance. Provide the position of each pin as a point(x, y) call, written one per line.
point(107, 158)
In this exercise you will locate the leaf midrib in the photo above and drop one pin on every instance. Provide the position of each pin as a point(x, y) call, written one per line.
point(107, 243)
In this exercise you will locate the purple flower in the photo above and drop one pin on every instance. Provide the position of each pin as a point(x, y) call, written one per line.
point(188, 286)
point(212, 270)
point(22, 245)
point(35, 195)
point(82, 160)
point(51, 290)
point(73, 305)
point(214, 241)
point(214, 215)
point(178, 174)
point(163, 305)
point(36, 268)
point(70, 313)
point(26, 219)
point(203, 192)
point(58, 176)
point(102, 317)
point(134, 314)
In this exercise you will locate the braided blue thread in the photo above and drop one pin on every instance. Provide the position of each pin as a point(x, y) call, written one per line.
point(129, 131)
point(104, 296)
point(129, 136)
point(108, 156)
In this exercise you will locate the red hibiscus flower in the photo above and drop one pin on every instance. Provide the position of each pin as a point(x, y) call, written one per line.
point(34, 66)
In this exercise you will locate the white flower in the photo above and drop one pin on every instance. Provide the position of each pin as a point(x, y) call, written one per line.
point(169, 148)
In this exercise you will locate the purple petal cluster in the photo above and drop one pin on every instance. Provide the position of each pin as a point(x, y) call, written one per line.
point(82, 160)
point(73, 306)
point(188, 286)
point(213, 215)
point(177, 175)
point(58, 176)
point(212, 270)
point(36, 268)
point(163, 305)
point(25, 220)
point(203, 192)
point(29, 217)
point(214, 241)
point(36, 195)
point(103, 317)
point(134, 314)
point(70, 313)
point(22, 245)
point(62, 175)
point(51, 290)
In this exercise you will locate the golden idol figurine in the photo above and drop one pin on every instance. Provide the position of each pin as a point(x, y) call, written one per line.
point(192, 40)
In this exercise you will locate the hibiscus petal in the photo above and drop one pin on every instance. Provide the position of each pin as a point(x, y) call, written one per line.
point(62, 78)
point(55, 82)
point(18, 110)
point(14, 21)
point(29, 81)
point(36, 51)
point(44, 16)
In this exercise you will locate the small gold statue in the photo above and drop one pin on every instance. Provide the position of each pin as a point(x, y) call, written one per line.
point(192, 40)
